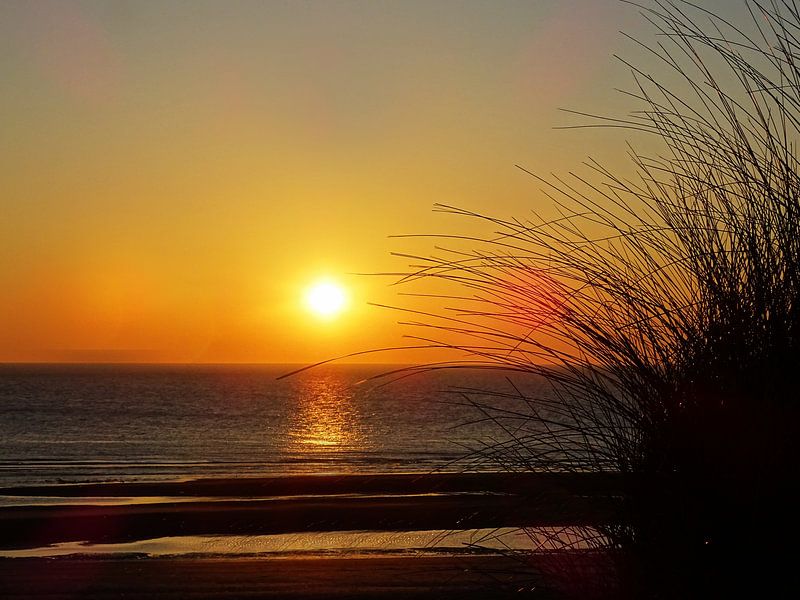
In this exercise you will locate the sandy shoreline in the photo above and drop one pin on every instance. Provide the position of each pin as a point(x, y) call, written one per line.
point(101, 579)
point(311, 505)
point(306, 504)
point(43, 525)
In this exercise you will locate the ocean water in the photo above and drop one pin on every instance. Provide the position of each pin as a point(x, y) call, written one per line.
point(79, 423)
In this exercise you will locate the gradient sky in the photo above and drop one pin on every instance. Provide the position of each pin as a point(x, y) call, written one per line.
point(176, 173)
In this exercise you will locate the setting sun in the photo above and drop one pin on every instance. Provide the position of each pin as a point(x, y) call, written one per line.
point(326, 298)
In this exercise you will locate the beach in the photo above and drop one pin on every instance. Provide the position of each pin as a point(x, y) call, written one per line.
point(40, 516)
point(286, 536)
point(430, 577)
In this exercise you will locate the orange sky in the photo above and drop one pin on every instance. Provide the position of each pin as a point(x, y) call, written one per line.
point(176, 173)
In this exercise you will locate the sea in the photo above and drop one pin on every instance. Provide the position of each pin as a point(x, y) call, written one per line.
point(96, 423)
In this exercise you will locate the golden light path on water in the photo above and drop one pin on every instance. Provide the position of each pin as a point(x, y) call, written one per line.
point(326, 418)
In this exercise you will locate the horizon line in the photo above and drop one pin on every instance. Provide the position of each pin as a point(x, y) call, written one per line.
point(198, 363)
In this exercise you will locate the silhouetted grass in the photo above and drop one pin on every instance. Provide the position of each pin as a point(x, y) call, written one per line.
point(663, 313)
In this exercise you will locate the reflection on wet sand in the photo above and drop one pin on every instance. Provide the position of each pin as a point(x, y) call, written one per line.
point(374, 543)
point(326, 418)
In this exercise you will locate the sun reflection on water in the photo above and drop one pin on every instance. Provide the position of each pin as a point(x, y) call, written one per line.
point(326, 418)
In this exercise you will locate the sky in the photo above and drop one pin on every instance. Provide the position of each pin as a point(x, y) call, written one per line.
point(176, 174)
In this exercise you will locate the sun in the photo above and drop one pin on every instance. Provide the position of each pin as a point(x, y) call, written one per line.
point(326, 298)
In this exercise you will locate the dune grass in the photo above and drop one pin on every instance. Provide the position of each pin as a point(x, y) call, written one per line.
point(663, 312)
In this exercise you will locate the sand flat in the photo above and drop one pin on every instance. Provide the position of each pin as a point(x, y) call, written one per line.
point(406, 503)
point(483, 577)
point(276, 505)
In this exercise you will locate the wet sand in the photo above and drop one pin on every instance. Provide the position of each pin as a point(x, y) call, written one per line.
point(260, 506)
point(304, 504)
point(294, 485)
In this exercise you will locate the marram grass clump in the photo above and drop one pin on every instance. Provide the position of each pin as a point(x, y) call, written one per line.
point(662, 312)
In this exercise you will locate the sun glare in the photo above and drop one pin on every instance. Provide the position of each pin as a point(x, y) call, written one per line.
point(326, 299)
